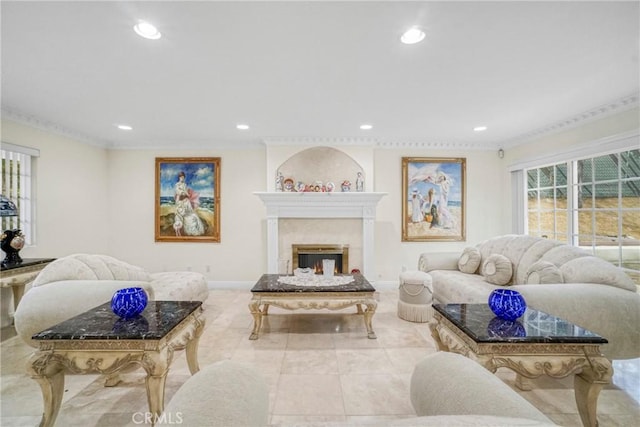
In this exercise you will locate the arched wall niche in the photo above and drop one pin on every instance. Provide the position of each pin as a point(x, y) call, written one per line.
point(325, 164)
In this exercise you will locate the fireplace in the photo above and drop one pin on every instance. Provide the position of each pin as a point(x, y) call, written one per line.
point(334, 205)
point(311, 256)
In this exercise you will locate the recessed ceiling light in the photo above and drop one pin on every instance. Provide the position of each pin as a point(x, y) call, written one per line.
point(366, 127)
point(242, 127)
point(479, 128)
point(147, 30)
point(124, 127)
point(412, 35)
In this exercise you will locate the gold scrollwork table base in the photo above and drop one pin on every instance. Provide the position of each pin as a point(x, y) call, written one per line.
point(591, 370)
point(312, 301)
point(55, 358)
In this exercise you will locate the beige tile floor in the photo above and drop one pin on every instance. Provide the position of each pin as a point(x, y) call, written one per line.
point(320, 367)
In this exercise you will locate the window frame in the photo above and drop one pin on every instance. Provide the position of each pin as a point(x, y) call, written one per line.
point(24, 198)
point(519, 180)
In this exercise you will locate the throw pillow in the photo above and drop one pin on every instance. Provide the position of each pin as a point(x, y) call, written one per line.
point(542, 272)
point(469, 260)
point(497, 269)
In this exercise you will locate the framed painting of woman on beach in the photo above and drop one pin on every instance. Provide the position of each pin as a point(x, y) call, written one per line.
point(433, 199)
point(187, 199)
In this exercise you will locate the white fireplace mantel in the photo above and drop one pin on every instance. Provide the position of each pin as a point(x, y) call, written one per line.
point(322, 205)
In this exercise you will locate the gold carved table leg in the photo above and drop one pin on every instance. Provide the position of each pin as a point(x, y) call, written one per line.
point(50, 377)
point(254, 308)
point(587, 385)
point(191, 351)
point(156, 365)
point(368, 315)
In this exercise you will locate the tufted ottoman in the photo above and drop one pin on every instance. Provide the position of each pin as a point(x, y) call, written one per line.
point(415, 295)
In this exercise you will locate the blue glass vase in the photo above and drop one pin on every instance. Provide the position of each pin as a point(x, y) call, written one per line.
point(129, 302)
point(507, 304)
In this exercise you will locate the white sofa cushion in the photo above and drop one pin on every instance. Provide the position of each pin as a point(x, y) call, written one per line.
point(179, 286)
point(89, 267)
point(222, 394)
point(469, 288)
point(469, 260)
point(497, 269)
point(596, 270)
point(543, 272)
point(446, 383)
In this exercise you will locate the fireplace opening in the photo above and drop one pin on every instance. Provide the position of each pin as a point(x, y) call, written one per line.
point(311, 256)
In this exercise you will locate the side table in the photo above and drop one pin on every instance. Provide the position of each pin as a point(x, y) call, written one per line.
point(99, 342)
point(18, 276)
point(536, 344)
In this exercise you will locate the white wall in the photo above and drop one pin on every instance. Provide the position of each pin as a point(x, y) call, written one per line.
point(484, 217)
point(71, 191)
point(240, 255)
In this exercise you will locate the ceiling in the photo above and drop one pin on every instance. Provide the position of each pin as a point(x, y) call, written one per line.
point(315, 71)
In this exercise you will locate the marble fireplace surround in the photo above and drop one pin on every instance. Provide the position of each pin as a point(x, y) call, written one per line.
point(282, 205)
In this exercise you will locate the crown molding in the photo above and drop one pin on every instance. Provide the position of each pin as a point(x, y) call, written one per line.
point(434, 145)
point(188, 145)
point(48, 126)
point(310, 140)
point(374, 142)
point(618, 106)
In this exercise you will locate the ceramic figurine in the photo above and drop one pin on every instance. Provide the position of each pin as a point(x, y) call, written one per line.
point(346, 185)
point(360, 182)
point(288, 185)
point(279, 182)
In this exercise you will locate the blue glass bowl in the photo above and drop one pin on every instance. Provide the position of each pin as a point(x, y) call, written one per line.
point(129, 302)
point(507, 304)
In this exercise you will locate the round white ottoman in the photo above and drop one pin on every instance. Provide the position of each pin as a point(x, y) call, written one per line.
point(414, 299)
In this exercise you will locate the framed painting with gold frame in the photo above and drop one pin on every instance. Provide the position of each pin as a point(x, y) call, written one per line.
point(187, 199)
point(433, 199)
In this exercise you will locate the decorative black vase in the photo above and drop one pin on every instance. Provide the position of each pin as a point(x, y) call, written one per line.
point(11, 243)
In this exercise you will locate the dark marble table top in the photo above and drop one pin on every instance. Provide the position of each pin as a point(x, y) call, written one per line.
point(482, 325)
point(269, 283)
point(100, 323)
point(27, 262)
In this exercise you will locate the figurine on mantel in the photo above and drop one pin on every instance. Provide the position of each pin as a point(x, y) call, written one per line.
point(360, 182)
point(279, 182)
point(345, 186)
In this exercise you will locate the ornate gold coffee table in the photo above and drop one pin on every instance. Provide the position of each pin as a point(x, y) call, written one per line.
point(99, 342)
point(269, 291)
point(536, 344)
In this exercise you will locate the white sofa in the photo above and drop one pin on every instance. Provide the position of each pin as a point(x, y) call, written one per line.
point(553, 277)
point(447, 389)
point(76, 283)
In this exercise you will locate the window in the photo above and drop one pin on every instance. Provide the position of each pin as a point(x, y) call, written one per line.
point(593, 203)
point(16, 184)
